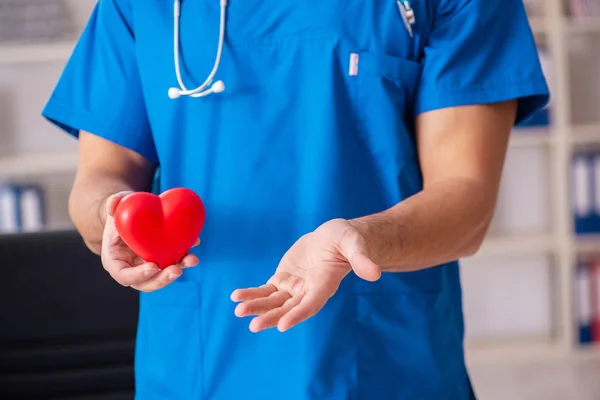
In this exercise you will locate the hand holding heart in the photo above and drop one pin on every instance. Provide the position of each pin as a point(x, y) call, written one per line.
point(147, 237)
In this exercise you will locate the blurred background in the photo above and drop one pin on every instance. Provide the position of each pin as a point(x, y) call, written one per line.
point(531, 295)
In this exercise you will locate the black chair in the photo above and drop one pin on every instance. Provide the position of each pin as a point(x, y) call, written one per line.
point(67, 330)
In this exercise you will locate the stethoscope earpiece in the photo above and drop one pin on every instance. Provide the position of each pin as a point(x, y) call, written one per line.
point(200, 91)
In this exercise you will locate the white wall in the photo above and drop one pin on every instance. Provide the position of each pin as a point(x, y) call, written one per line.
point(585, 78)
point(24, 90)
point(80, 10)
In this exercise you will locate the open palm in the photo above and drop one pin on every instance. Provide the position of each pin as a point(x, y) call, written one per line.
point(308, 275)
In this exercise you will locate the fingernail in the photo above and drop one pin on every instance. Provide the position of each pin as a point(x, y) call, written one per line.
point(192, 262)
point(171, 276)
point(239, 311)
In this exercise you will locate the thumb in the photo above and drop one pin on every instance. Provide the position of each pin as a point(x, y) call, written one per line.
point(113, 201)
point(353, 248)
point(364, 267)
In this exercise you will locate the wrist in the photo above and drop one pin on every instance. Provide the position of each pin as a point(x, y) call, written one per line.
point(361, 225)
point(101, 211)
point(364, 228)
point(384, 236)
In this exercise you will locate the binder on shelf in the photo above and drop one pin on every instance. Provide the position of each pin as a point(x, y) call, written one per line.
point(595, 294)
point(10, 209)
point(585, 219)
point(584, 313)
point(32, 208)
point(21, 208)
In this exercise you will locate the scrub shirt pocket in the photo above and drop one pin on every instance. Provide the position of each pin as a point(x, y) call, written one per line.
point(385, 92)
point(417, 334)
point(169, 353)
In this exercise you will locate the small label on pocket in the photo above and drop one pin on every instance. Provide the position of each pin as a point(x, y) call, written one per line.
point(353, 64)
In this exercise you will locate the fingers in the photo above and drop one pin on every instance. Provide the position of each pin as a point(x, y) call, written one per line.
point(281, 310)
point(311, 304)
point(160, 280)
point(196, 243)
point(189, 261)
point(270, 319)
point(127, 275)
point(147, 275)
point(167, 275)
point(253, 293)
point(262, 305)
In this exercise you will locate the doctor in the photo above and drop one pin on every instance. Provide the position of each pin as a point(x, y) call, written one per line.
point(348, 153)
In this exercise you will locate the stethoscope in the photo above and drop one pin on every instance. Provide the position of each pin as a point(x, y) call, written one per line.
point(200, 91)
point(407, 13)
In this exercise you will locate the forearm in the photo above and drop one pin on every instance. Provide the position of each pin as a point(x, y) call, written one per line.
point(87, 205)
point(442, 223)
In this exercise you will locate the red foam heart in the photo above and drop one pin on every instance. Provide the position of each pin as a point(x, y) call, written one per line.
point(160, 229)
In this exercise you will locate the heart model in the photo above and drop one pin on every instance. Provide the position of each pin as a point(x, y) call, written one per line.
point(160, 229)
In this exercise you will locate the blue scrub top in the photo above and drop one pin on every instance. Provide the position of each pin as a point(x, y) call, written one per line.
point(295, 140)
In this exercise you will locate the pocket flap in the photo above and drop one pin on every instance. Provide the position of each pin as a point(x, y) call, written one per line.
point(394, 68)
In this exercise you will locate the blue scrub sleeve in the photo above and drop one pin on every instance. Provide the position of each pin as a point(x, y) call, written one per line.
point(99, 90)
point(480, 52)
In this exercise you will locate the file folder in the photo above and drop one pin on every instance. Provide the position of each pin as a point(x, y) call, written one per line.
point(595, 278)
point(583, 289)
point(10, 221)
point(582, 194)
point(32, 209)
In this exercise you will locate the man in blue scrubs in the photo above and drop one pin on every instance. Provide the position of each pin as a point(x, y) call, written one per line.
point(353, 156)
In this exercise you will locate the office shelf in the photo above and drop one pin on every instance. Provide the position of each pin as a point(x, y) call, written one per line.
point(515, 245)
point(37, 164)
point(586, 134)
point(35, 52)
point(55, 227)
point(588, 243)
point(530, 137)
point(507, 351)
